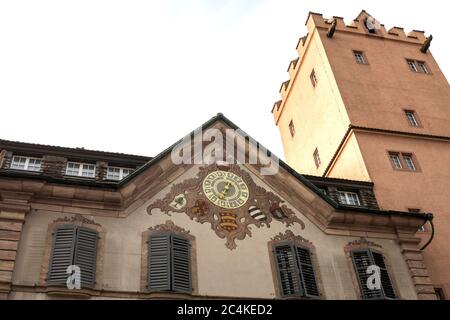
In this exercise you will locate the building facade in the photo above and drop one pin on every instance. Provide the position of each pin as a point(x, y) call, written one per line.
point(142, 228)
point(370, 104)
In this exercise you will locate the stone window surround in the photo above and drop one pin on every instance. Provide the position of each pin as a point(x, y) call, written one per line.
point(169, 227)
point(77, 220)
point(289, 236)
point(401, 155)
point(363, 244)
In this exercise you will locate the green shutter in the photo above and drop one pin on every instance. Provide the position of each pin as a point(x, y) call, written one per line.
point(158, 272)
point(288, 273)
point(181, 264)
point(86, 255)
point(63, 247)
point(307, 274)
point(386, 282)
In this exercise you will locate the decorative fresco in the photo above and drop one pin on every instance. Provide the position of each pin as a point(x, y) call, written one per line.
point(228, 199)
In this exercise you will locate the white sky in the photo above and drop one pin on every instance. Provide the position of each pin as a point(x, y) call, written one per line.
point(136, 76)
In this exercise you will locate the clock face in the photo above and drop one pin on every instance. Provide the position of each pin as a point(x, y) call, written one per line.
point(226, 190)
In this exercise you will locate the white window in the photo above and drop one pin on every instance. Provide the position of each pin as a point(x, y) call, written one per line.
point(80, 170)
point(409, 162)
point(423, 67)
point(349, 198)
point(359, 56)
point(26, 163)
point(395, 159)
point(410, 115)
point(117, 174)
point(412, 65)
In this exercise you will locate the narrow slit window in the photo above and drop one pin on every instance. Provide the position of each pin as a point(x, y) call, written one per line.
point(313, 78)
point(292, 128)
point(317, 159)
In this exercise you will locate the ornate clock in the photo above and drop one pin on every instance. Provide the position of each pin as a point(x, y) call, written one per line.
point(226, 189)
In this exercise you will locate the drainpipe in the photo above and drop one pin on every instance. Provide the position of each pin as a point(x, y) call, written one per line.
point(429, 218)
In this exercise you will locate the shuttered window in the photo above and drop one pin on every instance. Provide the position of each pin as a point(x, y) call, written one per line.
point(169, 263)
point(296, 271)
point(362, 260)
point(73, 245)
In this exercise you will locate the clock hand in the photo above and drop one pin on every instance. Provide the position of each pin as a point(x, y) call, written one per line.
point(225, 191)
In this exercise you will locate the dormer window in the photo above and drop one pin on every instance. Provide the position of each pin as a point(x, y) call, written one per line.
point(84, 170)
point(117, 174)
point(349, 198)
point(26, 164)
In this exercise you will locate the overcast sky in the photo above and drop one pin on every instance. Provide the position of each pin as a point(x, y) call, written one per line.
point(136, 76)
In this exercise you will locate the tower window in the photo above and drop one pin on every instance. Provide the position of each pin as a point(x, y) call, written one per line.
point(359, 56)
point(313, 78)
point(395, 160)
point(412, 65)
point(317, 158)
point(292, 128)
point(418, 66)
point(412, 119)
point(349, 198)
point(403, 161)
point(409, 162)
point(423, 67)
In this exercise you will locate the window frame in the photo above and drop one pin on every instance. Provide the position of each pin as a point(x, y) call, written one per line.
point(292, 128)
point(359, 53)
point(121, 173)
point(27, 163)
point(393, 163)
point(414, 120)
point(80, 170)
point(405, 166)
point(294, 245)
point(411, 166)
point(387, 268)
point(346, 194)
point(418, 66)
point(168, 227)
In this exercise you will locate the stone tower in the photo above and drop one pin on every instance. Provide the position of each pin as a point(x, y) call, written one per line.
point(371, 104)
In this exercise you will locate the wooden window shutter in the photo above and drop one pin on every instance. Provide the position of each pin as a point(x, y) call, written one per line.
point(307, 274)
point(86, 255)
point(181, 264)
point(288, 273)
point(363, 259)
point(73, 245)
point(63, 247)
point(158, 273)
point(386, 282)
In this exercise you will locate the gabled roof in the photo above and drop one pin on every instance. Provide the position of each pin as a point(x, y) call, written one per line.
point(285, 166)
